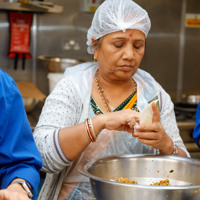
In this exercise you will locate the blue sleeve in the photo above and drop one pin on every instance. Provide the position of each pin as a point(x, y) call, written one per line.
point(196, 132)
point(19, 156)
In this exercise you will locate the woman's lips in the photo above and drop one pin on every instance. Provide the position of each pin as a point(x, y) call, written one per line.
point(126, 67)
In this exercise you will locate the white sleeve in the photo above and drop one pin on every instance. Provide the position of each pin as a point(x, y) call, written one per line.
point(62, 108)
point(168, 120)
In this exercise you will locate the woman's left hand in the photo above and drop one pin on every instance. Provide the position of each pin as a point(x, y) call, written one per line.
point(154, 134)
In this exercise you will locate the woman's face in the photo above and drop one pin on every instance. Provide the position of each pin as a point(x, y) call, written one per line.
point(120, 53)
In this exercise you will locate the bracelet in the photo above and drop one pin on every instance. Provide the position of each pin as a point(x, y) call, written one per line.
point(92, 129)
point(89, 130)
point(26, 187)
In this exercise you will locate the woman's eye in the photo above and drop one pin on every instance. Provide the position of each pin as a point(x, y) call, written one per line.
point(119, 45)
point(137, 46)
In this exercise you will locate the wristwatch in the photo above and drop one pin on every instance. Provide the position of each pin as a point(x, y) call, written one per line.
point(26, 187)
point(175, 150)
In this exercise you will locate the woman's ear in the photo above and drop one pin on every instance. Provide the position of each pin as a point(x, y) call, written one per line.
point(95, 46)
point(94, 43)
point(95, 55)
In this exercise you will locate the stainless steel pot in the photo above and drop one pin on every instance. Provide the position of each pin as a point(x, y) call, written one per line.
point(192, 99)
point(58, 64)
point(183, 174)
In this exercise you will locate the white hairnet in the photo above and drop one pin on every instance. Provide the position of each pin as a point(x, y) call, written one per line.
point(116, 15)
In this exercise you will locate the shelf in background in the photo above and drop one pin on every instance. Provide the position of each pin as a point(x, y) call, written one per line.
point(32, 6)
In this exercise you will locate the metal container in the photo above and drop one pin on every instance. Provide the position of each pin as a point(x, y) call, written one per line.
point(191, 99)
point(183, 174)
point(58, 64)
point(30, 103)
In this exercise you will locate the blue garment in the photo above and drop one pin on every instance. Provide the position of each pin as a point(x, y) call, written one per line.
point(196, 132)
point(19, 156)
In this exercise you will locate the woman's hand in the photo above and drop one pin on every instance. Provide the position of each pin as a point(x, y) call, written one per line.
point(14, 191)
point(123, 120)
point(154, 134)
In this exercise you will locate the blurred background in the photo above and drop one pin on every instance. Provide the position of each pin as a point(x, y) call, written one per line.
point(172, 53)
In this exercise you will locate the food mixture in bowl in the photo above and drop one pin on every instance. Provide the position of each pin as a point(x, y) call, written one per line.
point(126, 180)
point(164, 182)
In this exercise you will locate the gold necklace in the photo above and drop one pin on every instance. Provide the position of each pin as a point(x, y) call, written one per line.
point(102, 95)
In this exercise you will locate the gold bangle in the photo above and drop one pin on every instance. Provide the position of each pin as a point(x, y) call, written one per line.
point(92, 129)
point(88, 130)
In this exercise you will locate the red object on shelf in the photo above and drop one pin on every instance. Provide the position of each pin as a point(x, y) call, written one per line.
point(20, 25)
point(20, 30)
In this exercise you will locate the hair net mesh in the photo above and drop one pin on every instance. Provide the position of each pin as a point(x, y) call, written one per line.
point(116, 15)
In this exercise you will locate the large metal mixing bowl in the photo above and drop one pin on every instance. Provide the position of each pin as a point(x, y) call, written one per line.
point(58, 64)
point(183, 174)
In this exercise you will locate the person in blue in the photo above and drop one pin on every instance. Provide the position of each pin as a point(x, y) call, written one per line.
point(196, 132)
point(20, 161)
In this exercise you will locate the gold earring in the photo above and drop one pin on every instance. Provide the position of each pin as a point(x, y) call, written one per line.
point(95, 58)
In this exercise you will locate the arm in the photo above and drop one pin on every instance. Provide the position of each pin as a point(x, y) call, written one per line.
point(74, 140)
point(196, 132)
point(21, 159)
point(61, 109)
point(60, 117)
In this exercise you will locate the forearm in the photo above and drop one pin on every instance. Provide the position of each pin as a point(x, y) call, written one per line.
point(74, 139)
point(181, 152)
point(170, 149)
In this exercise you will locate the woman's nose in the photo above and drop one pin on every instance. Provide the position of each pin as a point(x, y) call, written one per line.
point(129, 53)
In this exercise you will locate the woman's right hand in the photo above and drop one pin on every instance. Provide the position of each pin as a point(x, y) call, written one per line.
point(123, 120)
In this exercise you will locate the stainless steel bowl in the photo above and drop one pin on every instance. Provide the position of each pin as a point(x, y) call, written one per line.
point(58, 64)
point(183, 174)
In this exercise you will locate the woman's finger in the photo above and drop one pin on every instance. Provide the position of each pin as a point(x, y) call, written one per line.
point(132, 123)
point(148, 128)
point(147, 141)
point(146, 135)
point(156, 113)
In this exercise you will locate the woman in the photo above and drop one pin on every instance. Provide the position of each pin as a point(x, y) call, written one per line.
point(94, 109)
point(20, 161)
